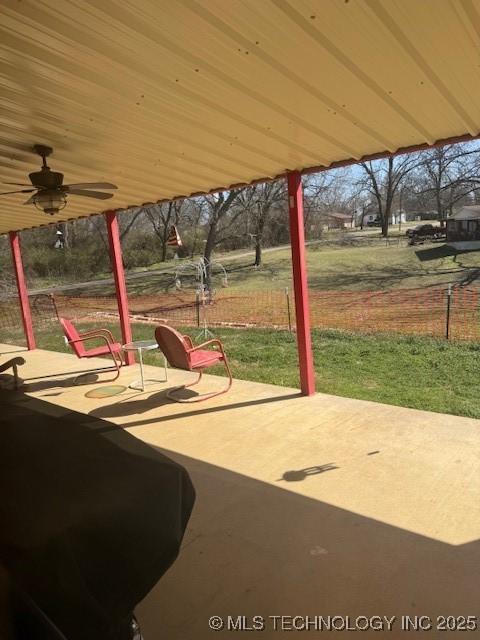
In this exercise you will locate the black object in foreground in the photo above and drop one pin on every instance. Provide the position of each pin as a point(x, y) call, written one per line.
point(91, 516)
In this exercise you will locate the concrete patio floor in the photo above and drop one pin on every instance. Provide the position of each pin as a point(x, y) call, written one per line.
point(305, 506)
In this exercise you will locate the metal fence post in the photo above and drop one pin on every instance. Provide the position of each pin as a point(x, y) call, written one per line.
point(287, 295)
point(447, 320)
point(197, 307)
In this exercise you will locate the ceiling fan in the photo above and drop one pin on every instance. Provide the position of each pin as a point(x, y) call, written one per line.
point(50, 194)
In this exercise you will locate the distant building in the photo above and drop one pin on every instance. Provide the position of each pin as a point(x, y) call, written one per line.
point(463, 228)
point(371, 217)
point(425, 214)
point(398, 216)
point(336, 220)
point(366, 215)
point(368, 218)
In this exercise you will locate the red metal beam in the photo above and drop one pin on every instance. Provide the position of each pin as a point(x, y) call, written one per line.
point(119, 277)
point(22, 289)
point(300, 285)
point(466, 137)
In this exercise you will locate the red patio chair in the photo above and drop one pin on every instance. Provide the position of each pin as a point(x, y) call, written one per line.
point(111, 348)
point(181, 354)
point(13, 363)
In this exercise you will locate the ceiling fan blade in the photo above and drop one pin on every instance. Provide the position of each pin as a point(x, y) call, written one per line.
point(91, 185)
point(30, 200)
point(18, 184)
point(90, 194)
point(6, 193)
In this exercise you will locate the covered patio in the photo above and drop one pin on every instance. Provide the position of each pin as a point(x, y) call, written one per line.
point(305, 506)
point(125, 94)
point(308, 504)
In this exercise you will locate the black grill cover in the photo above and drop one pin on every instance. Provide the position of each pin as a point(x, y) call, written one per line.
point(91, 517)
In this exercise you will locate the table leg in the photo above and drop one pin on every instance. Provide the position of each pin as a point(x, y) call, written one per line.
point(140, 385)
point(141, 368)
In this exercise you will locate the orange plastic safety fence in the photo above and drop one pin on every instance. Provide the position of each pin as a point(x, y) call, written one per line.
point(405, 311)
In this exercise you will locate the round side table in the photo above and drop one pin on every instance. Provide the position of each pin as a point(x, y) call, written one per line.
point(139, 346)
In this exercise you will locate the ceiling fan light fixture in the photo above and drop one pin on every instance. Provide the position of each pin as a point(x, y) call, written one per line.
point(51, 202)
point(51, 193)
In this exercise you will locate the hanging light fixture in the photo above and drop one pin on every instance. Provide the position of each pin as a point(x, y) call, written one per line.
point(50, 201)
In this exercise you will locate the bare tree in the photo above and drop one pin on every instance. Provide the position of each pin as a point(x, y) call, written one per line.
point(219, 221)
point(162, 217)
point(447, 176)
point(326, 192)
point(382, 179)
point(97, 223)
point(191, 221)
point(363, 206)
point(127, 220)
point(258, 202)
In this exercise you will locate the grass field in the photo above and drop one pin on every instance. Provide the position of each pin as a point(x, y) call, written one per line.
point(330, 267)
point(419, 372)
point(376, 267)
point(369, 235)
point(422, 373)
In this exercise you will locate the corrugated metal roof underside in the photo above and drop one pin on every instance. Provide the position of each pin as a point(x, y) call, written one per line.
point(172, 98)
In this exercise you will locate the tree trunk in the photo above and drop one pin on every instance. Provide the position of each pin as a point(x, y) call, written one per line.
point(164, 240)
point(194, 244)
point(439, 208)
point(362, 219)
point(164, 251)
point(385, 227)
point(207, 254)
point(386, 214)
point(261, 222)
point(258, 251)
point(66, 236)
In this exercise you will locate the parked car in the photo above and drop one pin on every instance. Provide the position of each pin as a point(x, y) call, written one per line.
point(374, 223)
point(423, 232)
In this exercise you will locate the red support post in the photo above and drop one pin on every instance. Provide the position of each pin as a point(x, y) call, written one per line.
point(300, 285)
point(22, 289)
point(119, 277)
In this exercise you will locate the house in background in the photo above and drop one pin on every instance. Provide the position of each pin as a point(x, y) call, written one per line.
point(463, 228)
point(366, 216)
point(398, 216)
point(370, 216)
point(334, 220)
point(425, 214)
point(368, 219)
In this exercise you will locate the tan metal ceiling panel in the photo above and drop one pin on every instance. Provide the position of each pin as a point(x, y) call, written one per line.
point(168, 98)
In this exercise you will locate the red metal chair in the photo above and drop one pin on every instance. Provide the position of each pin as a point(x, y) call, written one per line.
point(111, 348)
point(13, 363)
point(181, 354)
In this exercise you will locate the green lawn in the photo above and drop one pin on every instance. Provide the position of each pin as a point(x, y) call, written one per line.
point(423, 373)
point(330, 267)
point(374, 267)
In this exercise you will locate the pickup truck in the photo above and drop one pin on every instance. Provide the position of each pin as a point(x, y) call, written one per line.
point(423, 232)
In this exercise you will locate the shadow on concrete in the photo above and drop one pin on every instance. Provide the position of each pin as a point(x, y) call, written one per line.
point(297, 475)
point(253, 548)
point(257, 548)
point(137, 405)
